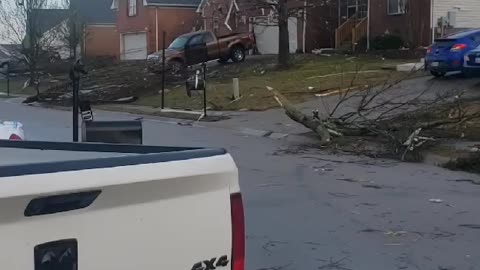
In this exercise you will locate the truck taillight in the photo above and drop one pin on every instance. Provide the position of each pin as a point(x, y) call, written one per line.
point(429, 49)
point(15, 137)
point(251, 36)
point(238, 232)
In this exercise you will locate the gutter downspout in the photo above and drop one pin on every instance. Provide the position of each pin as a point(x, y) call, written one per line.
point(432, 18)
point(368, 25)
point(304, 25)
point(156, 28)
point(84, 53)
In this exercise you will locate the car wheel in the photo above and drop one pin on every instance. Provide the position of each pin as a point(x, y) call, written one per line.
point(238, 54)
point(437, 74)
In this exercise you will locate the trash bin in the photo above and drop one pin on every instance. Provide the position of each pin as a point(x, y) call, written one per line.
point(123, 132)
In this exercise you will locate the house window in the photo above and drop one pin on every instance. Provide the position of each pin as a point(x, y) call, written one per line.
point(396, 7)
point(132, 7)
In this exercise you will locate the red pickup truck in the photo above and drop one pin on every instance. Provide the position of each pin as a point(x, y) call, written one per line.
point(223, 48)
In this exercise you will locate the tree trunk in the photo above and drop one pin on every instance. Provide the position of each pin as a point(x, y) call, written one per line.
point(283, 37)
point(296, 115)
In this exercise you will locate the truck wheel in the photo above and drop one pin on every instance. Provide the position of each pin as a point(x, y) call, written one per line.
point(175, 67)
point(238, 54)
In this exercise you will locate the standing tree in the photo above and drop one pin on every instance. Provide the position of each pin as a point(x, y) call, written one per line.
point(283, 35)
point(72, 32)
point(279, 11)
point(20, 23)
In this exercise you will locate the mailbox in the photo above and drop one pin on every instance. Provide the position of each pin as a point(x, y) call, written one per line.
point(123, 132)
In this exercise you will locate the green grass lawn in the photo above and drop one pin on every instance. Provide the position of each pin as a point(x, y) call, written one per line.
point(308, 76)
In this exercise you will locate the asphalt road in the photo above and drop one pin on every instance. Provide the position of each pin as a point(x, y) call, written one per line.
point(314, 211)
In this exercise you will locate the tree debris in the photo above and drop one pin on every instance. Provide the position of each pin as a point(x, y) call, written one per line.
point(296, 115)
point(399, 120)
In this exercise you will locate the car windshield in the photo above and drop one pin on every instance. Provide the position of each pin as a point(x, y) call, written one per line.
point(178, 43)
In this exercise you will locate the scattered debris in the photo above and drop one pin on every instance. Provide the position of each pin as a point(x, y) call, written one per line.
point(314, 244)
point(271, 244)
point(470, 226)
point(395, 233)
point(276, 267)
point(374, 186)
point(350, 180)
point(270, 185)
point(344, 73)
point(414, 141)
point(442, 234)
point(475, 182)
point(446, 268)
point(368, 204)
point(332, 264)
point(370, 230)
point(278, 136)
point(341, 195)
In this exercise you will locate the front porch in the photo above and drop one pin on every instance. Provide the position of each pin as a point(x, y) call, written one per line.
point(353, 24)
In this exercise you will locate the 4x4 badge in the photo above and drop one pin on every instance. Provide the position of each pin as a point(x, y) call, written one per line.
point(211, 264)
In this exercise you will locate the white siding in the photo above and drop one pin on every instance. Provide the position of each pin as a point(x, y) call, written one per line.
point(468, 12)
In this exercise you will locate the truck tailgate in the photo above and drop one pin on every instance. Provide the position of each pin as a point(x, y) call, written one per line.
point(161, 215)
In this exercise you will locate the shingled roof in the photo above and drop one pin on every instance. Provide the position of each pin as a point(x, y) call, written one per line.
point(46, 19)
point(94, 11)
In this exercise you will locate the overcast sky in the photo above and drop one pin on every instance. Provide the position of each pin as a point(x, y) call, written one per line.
point(11, 3)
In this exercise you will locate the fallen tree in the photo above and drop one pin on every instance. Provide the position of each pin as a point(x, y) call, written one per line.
point(395, 117)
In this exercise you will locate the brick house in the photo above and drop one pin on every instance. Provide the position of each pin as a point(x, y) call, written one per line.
point(233, 16)
point(101, 37)
point(140, 24)
point(411, 21)
point(417, 22)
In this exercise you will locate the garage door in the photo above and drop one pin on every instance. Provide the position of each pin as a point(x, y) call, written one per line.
point(266, 35)
point(134, 46)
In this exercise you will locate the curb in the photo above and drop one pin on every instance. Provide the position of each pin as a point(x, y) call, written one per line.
point(187, 121)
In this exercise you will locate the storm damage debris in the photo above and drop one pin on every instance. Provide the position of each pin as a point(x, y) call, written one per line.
point(402, 122)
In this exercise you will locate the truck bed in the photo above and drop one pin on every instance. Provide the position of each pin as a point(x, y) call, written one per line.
point(16, 156)
point(120, 207)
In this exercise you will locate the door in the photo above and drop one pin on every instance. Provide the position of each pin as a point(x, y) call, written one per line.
point(134, 46)
point(266, 35)
point(212, 45)
point(196, 50)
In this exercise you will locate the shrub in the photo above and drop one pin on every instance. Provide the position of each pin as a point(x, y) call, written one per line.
point(387, 42)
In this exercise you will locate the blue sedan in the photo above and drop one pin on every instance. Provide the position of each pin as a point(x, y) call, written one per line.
point(447, 54)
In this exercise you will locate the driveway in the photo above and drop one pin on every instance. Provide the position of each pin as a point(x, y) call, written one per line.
point(309, 210)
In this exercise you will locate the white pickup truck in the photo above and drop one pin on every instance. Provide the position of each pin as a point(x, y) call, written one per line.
point(82, 206)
